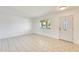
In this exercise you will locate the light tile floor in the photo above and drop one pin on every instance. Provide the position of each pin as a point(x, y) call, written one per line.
point(36, 43)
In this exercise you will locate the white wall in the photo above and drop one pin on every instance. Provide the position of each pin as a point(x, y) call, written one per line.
point(76, 27)
point(11, 25)
point(54, 32)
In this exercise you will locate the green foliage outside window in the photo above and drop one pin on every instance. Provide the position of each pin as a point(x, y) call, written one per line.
point(45, 24)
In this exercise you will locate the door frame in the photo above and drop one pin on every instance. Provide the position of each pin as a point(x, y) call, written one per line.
point(72, 29)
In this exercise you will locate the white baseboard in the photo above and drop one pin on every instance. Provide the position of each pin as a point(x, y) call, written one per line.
point(46, 35)
point(14, 35)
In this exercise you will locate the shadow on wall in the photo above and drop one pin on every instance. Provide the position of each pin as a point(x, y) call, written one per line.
point(13, 26)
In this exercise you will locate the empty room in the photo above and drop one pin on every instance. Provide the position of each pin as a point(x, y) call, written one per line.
point(39, 28)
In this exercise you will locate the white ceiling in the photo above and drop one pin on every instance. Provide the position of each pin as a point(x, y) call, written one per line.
point(34, 11)
point(28, 11)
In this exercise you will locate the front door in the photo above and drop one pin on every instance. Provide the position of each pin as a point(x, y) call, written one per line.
point(66, 28)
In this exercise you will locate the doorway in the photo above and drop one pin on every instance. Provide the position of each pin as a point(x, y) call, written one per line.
point(66, 28)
